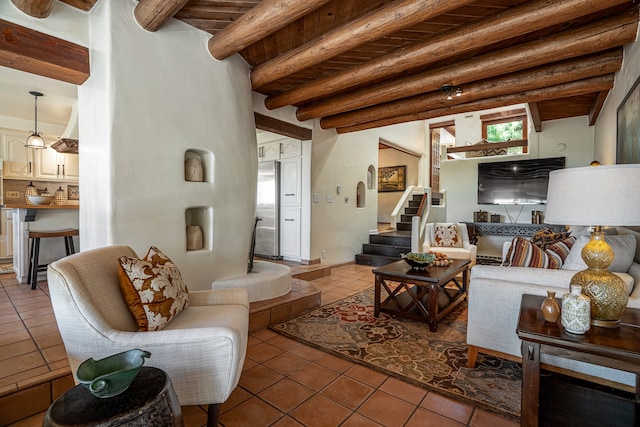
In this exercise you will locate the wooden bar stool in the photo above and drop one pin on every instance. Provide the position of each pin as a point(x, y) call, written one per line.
point(34, 238)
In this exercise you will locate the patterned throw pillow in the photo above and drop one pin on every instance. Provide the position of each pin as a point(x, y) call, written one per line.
point(153, 289)
point(524, 253)
point(546, 237)
point(447, 236)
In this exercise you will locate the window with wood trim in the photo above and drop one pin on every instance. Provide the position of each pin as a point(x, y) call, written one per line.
point(506, 126)
point(435, 131)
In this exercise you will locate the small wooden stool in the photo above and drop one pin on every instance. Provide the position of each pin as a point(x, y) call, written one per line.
point(149, 401)
point(34, 237)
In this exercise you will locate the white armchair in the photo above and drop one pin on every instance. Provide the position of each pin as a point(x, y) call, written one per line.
point(467, 251)
point(202, 349)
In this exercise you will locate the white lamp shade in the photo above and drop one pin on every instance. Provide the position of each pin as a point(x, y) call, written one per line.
point(594, 195)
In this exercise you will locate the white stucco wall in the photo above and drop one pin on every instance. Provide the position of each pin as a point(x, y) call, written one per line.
point(606, 126)
point(341, 228)
point(151, 97)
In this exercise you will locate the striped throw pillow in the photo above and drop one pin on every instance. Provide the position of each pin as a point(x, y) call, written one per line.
point(560, 250)
point(523, 253)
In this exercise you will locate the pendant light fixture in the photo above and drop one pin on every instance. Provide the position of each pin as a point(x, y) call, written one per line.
point(450, 91)
point(35, 140)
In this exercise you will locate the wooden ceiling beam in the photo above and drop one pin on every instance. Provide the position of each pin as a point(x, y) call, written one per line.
point(35, 8)
point(85, 5)
point(549, 75)
point(597, 107)
point(28, 50)
point(464, 39)
point(581, 41)
point(283, 128)
point(152, 14)
point(535, 116)
point(591, 85)
point(265, 18)
point(379, 23)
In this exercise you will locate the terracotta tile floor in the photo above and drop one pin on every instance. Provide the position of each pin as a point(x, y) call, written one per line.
point(283, 383)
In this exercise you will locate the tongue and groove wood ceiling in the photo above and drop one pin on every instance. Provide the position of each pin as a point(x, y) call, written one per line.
point(361, 64)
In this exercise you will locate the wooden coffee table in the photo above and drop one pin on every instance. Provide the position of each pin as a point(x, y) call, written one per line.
point(426, 295)
point(617, 348)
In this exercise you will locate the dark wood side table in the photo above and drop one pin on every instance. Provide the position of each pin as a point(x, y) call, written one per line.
point(421, 294)
point(149, 401)
point(615, 348)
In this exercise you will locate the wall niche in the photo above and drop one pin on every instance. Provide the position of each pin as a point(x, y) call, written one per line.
point(361, 195)
point(199, 228)
point(198, 165)
point(371, 178)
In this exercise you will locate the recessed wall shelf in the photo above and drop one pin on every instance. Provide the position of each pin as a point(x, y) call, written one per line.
point(198, 217)
point(198, 165)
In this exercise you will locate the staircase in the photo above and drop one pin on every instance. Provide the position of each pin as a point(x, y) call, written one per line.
point(384, 248)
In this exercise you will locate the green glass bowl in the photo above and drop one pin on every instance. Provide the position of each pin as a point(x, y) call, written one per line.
point(112, 375)
point(418, 260)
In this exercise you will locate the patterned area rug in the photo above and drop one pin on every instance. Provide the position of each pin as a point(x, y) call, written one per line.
point(408, 350)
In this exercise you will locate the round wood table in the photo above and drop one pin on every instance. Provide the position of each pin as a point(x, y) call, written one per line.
point(149, 401)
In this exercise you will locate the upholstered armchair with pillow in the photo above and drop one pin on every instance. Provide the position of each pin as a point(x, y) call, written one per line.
point(451, 239)
point(201, 344)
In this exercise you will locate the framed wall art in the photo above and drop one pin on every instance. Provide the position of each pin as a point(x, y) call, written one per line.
point(392, 178)
point(628, 127)
point(73, 192)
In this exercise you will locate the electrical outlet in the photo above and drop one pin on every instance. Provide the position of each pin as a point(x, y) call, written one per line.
point(316, 198)
point(324, 253)
point(13, 194)
point(329, 198)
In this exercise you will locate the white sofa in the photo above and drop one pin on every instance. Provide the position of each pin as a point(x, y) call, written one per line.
point(494, 304)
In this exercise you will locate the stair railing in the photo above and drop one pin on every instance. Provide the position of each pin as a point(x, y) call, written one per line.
point(419, 222)
point(404, 200)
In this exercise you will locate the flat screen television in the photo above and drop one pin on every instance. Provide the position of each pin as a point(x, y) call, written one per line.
point(518, 182)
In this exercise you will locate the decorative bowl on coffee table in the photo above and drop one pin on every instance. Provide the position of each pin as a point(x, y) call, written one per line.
point(418, 261)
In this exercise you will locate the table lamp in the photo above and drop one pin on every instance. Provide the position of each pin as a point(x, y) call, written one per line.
point(597, 196)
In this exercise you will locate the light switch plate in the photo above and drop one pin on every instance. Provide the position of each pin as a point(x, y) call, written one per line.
point(13, 194)
point(329, 198)
point(316, 198)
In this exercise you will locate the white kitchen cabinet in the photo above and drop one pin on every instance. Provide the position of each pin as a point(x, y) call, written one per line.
point(18, 159)
point(269, 151)
point(51, 165)
point(290, 233)
point(290, 182)
point(290, 148)
point(27, 163)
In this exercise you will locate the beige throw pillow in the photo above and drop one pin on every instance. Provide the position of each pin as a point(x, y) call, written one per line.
point(153, 289)
point(447, 236)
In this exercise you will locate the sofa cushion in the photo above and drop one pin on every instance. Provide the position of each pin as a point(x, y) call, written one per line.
point(623, 245)
point(153, 289)
point(447, 236)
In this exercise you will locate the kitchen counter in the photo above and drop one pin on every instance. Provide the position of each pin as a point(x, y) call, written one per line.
point(49, 217)
point(29, 212)
point(26, 206)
